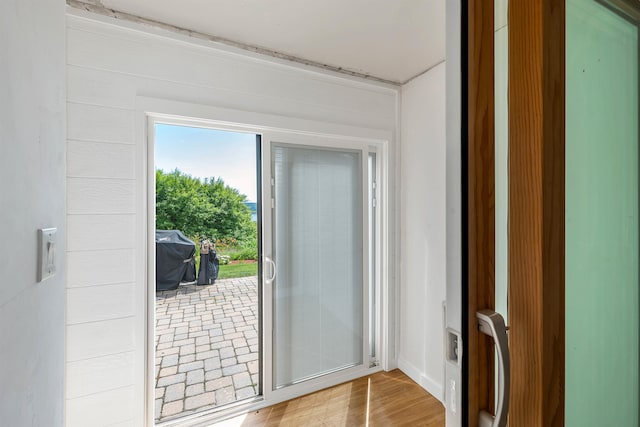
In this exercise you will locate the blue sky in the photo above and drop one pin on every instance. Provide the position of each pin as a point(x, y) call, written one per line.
point(205, 153)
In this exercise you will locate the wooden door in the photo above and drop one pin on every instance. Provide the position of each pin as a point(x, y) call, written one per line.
point(536, 209)
point(573, 215)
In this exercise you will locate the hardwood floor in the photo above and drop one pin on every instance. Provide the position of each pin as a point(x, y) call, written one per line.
point(384, 399)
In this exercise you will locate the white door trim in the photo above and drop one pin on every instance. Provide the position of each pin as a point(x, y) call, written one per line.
point(152, 110)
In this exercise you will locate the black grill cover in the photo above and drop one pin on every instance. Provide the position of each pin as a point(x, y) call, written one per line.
point(174, 259)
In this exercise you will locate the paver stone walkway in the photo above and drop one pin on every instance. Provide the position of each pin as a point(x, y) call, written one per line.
point(206, 346)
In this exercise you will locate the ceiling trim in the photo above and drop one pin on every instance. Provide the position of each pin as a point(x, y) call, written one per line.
point(421, 73)
point(95, 6)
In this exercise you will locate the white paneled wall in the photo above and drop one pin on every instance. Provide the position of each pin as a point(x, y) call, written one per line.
point(109, 67)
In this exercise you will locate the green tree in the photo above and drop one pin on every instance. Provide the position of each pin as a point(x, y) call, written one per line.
point(201, 209)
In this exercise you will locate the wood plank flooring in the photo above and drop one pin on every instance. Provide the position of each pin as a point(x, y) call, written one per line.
point(384, 399)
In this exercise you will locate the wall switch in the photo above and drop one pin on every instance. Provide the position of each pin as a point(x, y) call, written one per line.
point(46, 253)
point(454, 347)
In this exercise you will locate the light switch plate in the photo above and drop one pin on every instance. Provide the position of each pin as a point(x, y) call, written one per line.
point(46, 253)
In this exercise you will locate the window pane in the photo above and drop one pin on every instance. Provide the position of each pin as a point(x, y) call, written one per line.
point(319, 257)
point(601, 217)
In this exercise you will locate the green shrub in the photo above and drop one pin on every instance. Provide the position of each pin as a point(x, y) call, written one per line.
point(244, 254)
point(226, 244)
point(201, 208)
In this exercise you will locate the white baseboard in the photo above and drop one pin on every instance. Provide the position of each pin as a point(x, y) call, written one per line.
point(433, 387)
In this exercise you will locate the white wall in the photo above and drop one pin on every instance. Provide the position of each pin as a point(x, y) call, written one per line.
point(423, 230)
point(109, 68)
point(32, 196)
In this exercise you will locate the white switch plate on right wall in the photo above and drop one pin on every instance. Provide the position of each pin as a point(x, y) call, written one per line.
point(46, 253)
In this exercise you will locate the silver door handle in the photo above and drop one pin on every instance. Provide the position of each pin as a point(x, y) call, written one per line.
point(492, 324)
point(268, 261)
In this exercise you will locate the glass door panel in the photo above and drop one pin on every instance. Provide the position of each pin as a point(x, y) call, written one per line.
point(318, 250)
point(501, 82)
point(501, 138)
point(601, 217)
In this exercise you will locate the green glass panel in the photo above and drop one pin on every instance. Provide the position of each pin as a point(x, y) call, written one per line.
point(601, 217)
point(501, 70)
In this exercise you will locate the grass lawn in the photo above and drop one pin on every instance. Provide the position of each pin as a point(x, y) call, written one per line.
point(231, 271)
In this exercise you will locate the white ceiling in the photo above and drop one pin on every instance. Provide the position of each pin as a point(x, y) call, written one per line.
point(393, 40)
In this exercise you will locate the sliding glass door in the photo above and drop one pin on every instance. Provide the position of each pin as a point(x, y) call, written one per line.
point(310, 313)
point(318, 250)
point(318, 273)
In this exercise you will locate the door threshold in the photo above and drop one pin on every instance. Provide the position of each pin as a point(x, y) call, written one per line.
point(214, 415)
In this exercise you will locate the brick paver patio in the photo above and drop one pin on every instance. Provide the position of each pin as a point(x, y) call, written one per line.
point(206, 346)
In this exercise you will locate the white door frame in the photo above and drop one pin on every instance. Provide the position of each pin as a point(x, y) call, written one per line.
point(453, 380)
point(152, 110)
